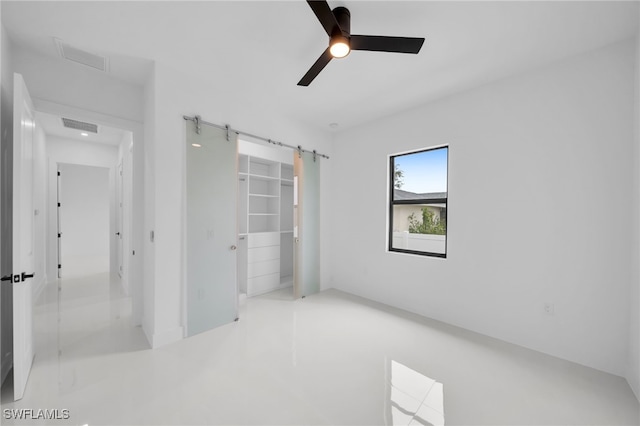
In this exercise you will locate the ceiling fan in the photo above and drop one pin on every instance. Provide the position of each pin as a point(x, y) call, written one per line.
point(337, 24)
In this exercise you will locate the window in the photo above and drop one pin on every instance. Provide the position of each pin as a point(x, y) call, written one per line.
point(418, 202)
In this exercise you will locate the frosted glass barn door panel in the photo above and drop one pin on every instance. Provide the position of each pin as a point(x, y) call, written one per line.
point(306, 275)
point(212, 294)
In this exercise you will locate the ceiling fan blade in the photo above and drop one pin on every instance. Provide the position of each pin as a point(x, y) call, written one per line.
point(324, 14)
point(386, 44)
point(315, 69)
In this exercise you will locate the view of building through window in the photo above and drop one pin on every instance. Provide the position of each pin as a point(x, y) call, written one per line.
point(418, 202)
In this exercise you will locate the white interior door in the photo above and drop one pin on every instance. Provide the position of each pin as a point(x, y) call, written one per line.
point(212, 232)
point(23, 224)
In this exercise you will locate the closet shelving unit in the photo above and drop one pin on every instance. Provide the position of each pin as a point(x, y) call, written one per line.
point(265, 241)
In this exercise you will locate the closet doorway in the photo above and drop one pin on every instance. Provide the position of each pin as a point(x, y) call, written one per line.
point(265, 219)
point(278, 221)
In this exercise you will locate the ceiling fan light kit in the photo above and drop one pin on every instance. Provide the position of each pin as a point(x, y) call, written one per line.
point(339, 47)
point(337, 25)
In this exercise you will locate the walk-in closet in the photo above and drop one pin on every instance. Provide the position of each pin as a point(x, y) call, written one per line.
point(265, 218)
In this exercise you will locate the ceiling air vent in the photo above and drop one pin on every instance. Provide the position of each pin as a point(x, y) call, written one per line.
point(80, 125)
point(82, 57)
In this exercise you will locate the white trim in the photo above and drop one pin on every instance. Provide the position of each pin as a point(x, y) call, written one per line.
point(7, 362)
point(146, 329)
point(42, 283)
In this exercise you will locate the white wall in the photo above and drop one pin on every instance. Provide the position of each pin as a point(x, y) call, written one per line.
point(148, 275)
point(559, 136)
point(85, 219)
point(264, 150)
point(177, 95)
point(633, 369)
point(64, 82)
point(66, 151)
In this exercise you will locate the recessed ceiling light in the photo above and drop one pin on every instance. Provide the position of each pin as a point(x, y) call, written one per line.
point(84, 134)
point(333, 125)
point(197, 145)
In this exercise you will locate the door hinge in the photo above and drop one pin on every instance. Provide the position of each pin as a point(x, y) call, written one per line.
point(59, 266)
point(59, 204)
point(58, 173)
point(59, 235)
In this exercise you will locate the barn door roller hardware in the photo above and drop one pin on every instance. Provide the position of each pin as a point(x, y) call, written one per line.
point(196, 120)
point(228, 129)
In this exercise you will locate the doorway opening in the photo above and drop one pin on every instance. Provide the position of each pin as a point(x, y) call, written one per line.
point(90, 200)
point(48, 138)
point(266, 228)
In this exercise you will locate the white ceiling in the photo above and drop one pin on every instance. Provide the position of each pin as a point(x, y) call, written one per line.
point(259, 50)
point(52, 126)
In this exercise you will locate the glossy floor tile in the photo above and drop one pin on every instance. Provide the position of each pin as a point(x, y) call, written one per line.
point(331, 358)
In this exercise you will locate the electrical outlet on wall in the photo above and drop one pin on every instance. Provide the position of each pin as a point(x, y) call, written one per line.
point(549, 308)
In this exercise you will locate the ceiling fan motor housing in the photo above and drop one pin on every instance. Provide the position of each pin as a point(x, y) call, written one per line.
point(343, 16)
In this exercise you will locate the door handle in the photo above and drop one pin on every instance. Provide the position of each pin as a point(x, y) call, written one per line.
point(7, 278)
point(233, 247)
point(25, 276)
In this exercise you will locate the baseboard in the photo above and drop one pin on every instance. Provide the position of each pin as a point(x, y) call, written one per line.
point(6, 367)
point(40, 285)
point(148, 333)
point(635, 386)
point(269, 290)
point(167, 336)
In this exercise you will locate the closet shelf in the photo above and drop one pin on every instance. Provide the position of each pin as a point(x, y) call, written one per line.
point(262, 177)
point(264, 195)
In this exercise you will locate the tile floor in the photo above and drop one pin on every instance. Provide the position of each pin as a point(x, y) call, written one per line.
point(331, 358)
